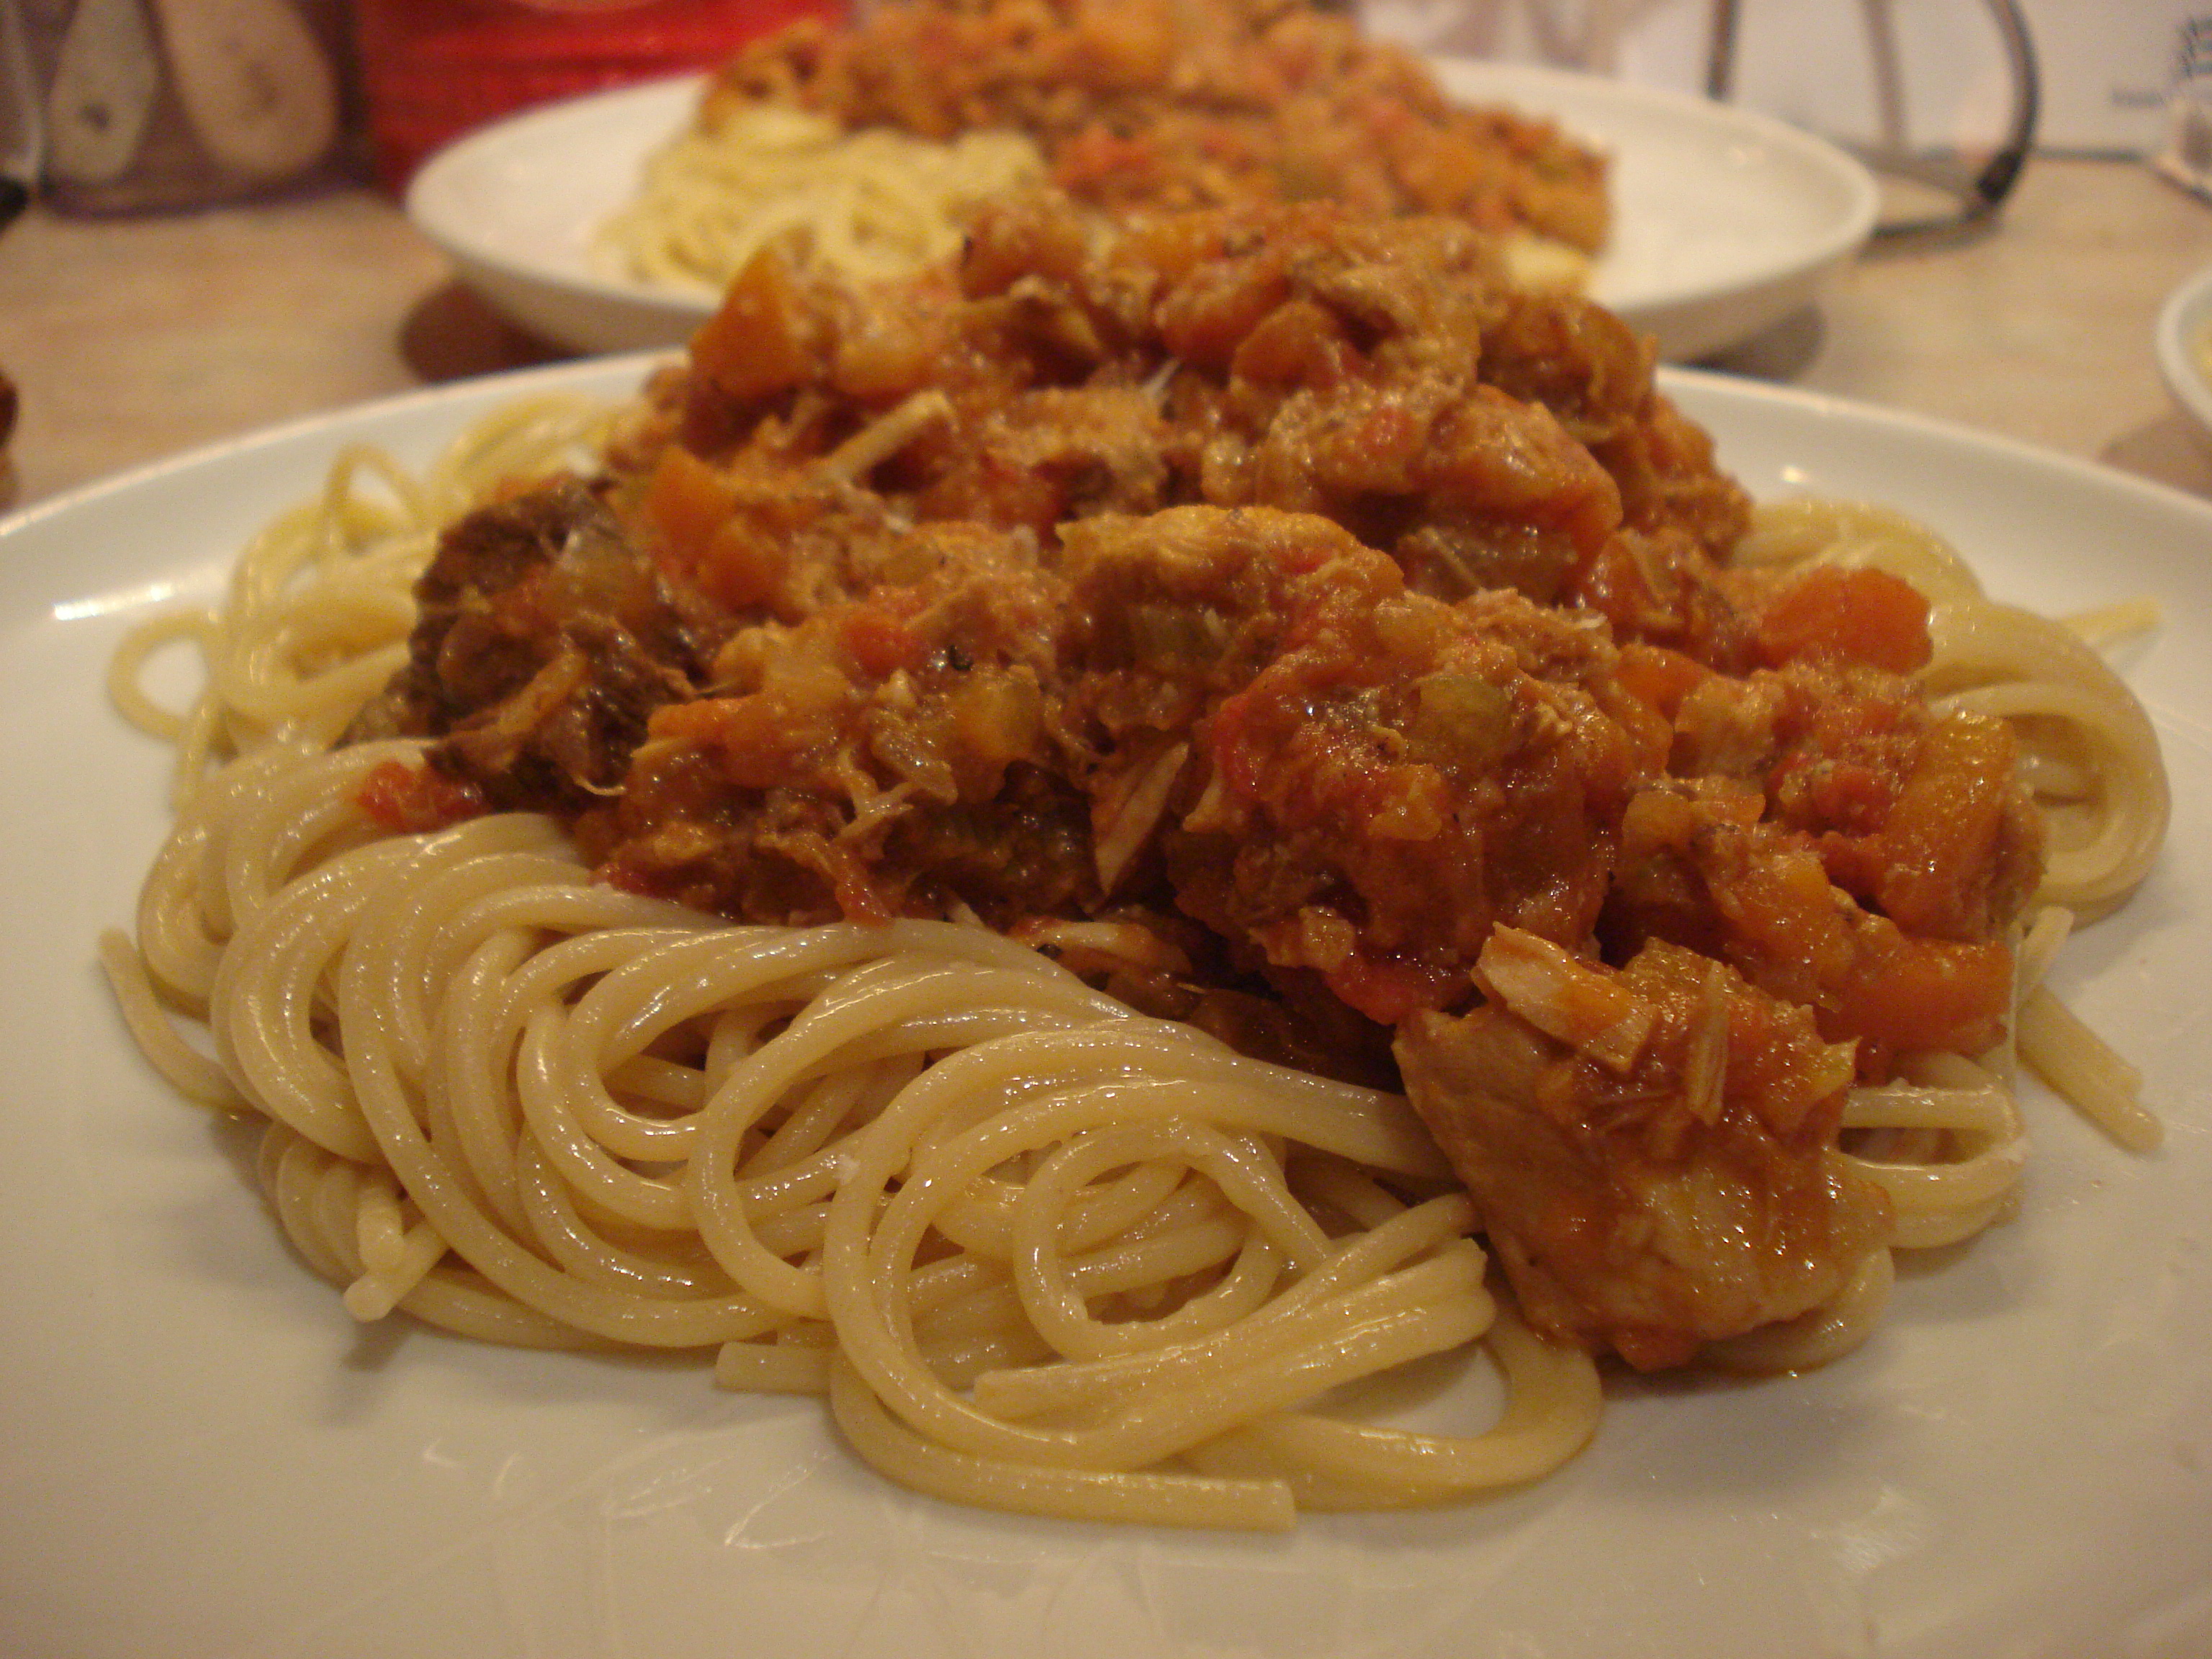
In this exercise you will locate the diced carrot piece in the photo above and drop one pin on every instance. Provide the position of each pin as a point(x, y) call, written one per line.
point(758, 740)
point(685, 501)
point(1654, 675)
point(1297, 343)
point(1204, 319)
point(1173, 244)
point(753, 345)
point(1929, 994)
point(744, 565)
point(1860, 616)
point(1784, 905)
point(1937, 843)
point(880, 642)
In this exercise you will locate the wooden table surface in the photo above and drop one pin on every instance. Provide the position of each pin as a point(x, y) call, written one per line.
point(130, 339)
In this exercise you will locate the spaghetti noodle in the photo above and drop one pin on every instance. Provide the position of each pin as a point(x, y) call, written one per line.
point(884, 1164)
point(869, 205)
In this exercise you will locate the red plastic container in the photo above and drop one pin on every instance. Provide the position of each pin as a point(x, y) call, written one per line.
point(434, 69)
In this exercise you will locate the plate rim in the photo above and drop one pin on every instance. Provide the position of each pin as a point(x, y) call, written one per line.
point(94, 491)
point(1851, 176)
point(2189, 304)
point(422, 199)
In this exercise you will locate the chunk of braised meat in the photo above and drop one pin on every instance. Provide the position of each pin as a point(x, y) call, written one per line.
point(1035, 411)
point(1651, 1150)
point(1164, 963)
point(543, 644)
point(1356, 780)
point(1358, 393)
point(1661, 578)
point(1596, 377)
point(889, 754)
point(1382, 375)
point(1376, 372)
point(1153, 104)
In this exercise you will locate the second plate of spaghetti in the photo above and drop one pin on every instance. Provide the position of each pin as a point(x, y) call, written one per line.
point(1724, 220)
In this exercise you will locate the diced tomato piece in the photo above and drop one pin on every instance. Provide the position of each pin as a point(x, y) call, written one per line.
point(1388, 989)
point(1099, 161)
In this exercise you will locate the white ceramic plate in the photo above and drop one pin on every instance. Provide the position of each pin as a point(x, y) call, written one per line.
point(1725, 220)
point(201, 1457)
point(2184, 327)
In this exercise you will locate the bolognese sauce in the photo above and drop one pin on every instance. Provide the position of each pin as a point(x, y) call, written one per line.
point(1353, 639)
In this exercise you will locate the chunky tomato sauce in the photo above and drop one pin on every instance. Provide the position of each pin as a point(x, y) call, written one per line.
point(1179, 104)
point(1355, 635)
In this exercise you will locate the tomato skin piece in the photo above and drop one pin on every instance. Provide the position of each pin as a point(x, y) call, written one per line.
point(1387, 991)
point(412, 800)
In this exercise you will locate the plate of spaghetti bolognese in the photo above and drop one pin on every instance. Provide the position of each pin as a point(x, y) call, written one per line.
point(1723, 220)
point(189, 1408)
